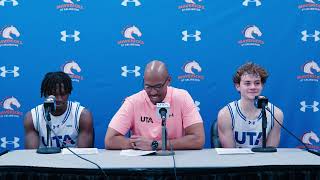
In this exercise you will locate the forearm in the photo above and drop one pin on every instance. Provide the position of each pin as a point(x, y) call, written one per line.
point(185, 142)
point(85, 140)
point(117, 142)
point(31, 142)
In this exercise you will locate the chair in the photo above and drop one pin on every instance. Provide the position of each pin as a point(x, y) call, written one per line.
point(215, 142)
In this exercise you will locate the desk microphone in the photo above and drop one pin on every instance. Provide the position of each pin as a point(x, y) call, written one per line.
point(49, 105)
point(162, 112)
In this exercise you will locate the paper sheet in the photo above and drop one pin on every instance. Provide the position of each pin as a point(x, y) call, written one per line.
point(132, 152)
point(80, 151)
point(222, 151)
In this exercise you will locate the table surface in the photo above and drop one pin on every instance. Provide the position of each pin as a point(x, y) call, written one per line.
point(206, 158)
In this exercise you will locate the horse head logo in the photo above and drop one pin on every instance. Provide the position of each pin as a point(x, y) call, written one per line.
point(188, 68)
point(68, 67)
point(250, 30)
point(128, 32)
point(69, 1)
point(307, 68)
point(8, 31)
point(191, 1)
point(308, 136)
point(310, 1)
point(7, 104)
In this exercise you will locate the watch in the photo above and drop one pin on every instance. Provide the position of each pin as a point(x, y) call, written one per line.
point(154, 145)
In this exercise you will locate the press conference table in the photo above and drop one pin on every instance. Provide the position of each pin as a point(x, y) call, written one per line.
point(190, 164)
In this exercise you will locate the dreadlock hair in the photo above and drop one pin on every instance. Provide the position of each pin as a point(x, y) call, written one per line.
point(50, 81)
point(250, 68)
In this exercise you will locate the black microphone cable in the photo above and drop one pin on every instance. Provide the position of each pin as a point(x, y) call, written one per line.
point(174, 161)
point(309, 150)
point(64, 146)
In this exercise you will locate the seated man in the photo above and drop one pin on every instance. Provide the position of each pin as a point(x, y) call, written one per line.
point(239, 123)
point(138, 115)
point(71, 122)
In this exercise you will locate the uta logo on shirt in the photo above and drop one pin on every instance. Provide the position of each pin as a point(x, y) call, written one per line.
point(146, 119)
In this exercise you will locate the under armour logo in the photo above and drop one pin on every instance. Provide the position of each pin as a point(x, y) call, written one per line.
point(136, 2)
point(14, 142)
point(305, 35)
point(14, 2)
point(196, 36)
point(197, 104)
point(75, 36)
point(304, 106)
point(5, 71)
point(246, 2)
point(125, 71)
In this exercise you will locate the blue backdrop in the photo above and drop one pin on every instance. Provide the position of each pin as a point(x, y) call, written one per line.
point(104, 46)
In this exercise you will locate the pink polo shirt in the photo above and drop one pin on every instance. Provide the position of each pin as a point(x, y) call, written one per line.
point(138, 114)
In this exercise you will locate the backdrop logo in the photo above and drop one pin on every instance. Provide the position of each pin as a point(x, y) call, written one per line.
point(253, 2)
point(134, 71)
point(9, 104)
point(70, 5)
point(306, 36)
point(9, 2)
point(5, 143)
point(4, 71)
point(313, 107)
point(191, 68)
point(310, 69)
point(310, 5)
point(70, 67)
point(74, 36)
point(195, 36)
point(9, 35)
point(251, 33)
point(197, 104)
point(191, 5)
point(310, 139)
point(134, 2)
point(131, 34)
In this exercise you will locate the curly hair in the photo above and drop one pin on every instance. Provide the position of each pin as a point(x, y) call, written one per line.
point(250, 68)
point(50, 81)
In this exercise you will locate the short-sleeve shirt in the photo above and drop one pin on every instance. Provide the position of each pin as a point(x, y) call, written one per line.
point(138, 114)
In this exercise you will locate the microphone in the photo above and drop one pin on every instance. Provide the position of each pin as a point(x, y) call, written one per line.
point(50, 104)
point(163, 110)
point(260, 102)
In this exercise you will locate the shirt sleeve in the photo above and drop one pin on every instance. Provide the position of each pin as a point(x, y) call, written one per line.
point(190, 113)
point(123, 119)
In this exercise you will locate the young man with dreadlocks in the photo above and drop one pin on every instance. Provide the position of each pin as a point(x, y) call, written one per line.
point(72, 124)
point(239, 122)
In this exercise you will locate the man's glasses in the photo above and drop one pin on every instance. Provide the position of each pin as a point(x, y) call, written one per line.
point(157, 87)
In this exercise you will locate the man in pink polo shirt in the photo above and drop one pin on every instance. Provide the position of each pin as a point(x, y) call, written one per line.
point(138, 115)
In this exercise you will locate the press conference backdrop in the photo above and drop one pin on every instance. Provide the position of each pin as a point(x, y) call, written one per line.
point(104, 46)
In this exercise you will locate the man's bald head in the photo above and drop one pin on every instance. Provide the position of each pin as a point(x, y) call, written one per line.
point(156, 80)
point(156, 69)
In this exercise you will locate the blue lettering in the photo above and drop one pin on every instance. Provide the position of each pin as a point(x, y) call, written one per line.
point(254, 137)
point(243, 137)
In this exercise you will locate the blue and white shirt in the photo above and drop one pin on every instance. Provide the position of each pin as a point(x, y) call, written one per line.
point(65, 126)
point(248, 132)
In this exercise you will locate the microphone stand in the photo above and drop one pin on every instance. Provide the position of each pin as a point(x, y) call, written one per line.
point(48, 149)
point(164, 151)
point(264, 147)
